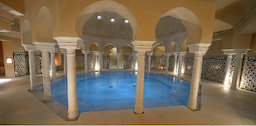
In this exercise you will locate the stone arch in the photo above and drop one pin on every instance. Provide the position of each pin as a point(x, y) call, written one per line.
point(26, 34)
point(127, 50)
point(158, 50)
point(183, 46)
point(190, 21)
point(170, 29)
point(171, 47)
point(94, 47)
point(101, 6)
point(44, 25)
point(107, 48)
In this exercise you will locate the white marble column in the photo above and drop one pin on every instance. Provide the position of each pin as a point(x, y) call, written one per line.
point(45, 49)
point(149, 60)
point(65, 61)
point(32, 68)
point(167, 54)
point(229, 54)
point(238, 67)
point(180, 62)
point(135, 58)
point(199, 50)
point(118, 60)
point(101, 61)
point(70, 44)
point(53, 66)
point(85, 61)
point(141, 47)
point(175, 70)
point(96, 61)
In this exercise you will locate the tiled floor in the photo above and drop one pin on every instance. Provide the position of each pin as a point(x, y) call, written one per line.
point(219, 106)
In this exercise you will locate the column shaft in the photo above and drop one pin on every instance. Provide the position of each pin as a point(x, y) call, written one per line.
point(175, 63)
point(118, 61)
point(46, 76)
point(180, 61)
point(140, 84)
point(167, 63)
point(134, 60)
point(149, 61)
point(237, 71)
point(72, 90)
point(32, 70)
point(85, 63)
point(227, 70)
point(197, 69)
point(65, 62)
point(53, 67)
point(101, 61)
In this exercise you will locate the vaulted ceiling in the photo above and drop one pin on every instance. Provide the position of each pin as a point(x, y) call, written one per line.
point(229, 13)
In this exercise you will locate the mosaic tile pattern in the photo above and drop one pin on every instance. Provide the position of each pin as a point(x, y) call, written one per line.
point(232, 69)
point(171, 63)
point(248, 81)
point(38, 58)
point(214, 68)
point(106, 61)
point(90, 61)
point(80, 62)
point(128, 61)
point(20, 64)
point(158, 62)
point(146, 62)
point(188, 62)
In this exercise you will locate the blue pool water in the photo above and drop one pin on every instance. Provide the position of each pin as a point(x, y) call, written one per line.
point(117, 90)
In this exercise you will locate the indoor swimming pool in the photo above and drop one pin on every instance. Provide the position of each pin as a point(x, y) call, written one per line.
point(102, 91)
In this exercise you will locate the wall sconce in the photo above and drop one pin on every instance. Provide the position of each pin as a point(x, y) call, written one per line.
point(9, 60)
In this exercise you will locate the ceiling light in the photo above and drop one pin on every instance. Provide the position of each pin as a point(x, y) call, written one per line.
point(112, 20)
point(9, 60)
point(99, 17)
point(126, 21)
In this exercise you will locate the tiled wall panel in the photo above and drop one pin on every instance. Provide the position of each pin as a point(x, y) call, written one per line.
point(248, 81)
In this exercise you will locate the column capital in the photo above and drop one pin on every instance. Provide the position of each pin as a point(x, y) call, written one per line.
point(68, 42)
point(85, 52)
point(63, 50)
point(118, 53)
point(149, 53)
point(45, 46)
point(198, 48)
point(95, 52)
point(175, 53)
point(142, 46)
point(229, 52)
point(29, 47)
point(168, 53)
point(181, 53)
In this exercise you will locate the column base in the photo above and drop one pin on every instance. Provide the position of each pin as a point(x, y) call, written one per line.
point(138, 113)
point(193, 108)
point(47, 99)
point(139, 110)
point(72, 116)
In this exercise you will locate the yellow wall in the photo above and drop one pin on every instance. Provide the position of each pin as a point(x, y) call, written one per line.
point(17, 47)
point(146, 12)
point(8, 53)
